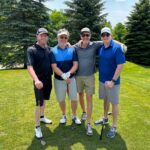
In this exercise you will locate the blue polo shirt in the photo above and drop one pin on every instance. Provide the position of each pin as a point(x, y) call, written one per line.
point(109, 58)
point(64, 59)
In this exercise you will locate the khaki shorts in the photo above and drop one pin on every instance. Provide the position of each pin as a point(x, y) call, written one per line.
point(112, 95)
point(86, 83)
point(61, 89)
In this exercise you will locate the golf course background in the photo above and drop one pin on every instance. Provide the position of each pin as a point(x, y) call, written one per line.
point(17, 107)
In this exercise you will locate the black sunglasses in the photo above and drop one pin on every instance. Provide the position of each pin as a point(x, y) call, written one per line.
point(105, 34)
point(83, 35)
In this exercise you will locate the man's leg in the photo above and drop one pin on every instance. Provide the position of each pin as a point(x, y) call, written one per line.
point(106, 108)
point(42, 108)
point(89, 107)
point(37, 116)
point(38, 132)
point(62, 105)
point(114, 114)
point(81, 100)
point(74, 107)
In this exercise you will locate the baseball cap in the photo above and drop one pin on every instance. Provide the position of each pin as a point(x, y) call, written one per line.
point(105, 30)
point(42, 31)
point(85, 30)
point(63, 32)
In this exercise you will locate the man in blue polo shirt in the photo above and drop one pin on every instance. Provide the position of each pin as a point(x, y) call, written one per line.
point(111, 60)
point(65, 64)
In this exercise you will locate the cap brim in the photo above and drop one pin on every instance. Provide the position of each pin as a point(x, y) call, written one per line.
point(43, 33)
point(63, 33)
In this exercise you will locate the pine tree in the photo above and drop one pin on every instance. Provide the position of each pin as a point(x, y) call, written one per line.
point(85, 13)
point(138, 37)
point(21, 20)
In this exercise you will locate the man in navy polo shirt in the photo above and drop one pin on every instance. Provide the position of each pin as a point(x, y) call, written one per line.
point(39, 67)
point(111, 60)
point(65, 64)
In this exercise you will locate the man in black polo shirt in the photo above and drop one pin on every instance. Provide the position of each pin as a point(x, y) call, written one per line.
point(39, 67)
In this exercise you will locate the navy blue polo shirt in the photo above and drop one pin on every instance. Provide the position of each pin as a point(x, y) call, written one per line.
point(64, 59)
point(109, 58)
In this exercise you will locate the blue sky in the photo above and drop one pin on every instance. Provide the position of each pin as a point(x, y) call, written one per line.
point(117, 10)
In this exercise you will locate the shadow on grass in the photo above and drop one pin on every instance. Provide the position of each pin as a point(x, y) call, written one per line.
point(74, 137)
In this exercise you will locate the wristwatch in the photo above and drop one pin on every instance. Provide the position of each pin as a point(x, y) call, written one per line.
point(114, 81)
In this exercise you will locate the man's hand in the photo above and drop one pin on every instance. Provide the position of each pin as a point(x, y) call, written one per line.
point(68, 81)
point(109, 84)
point(68, 74)
point(64, 76)
point(124, 48)
point(38, 84)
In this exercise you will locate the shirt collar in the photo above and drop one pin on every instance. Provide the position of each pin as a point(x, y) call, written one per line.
point(61, 48)
point(90, 43)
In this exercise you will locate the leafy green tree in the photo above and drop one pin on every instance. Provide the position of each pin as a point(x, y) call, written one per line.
point(57, 21)
point(138, 36)
point(119, 32)
point(21, 20)
point(84, 13)
point(108, 24)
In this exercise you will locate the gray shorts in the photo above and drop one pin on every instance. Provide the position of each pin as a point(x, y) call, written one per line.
point(111, 95)
point(61, 89)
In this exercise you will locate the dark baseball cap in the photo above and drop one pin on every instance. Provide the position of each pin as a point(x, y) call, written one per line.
point(42, 31)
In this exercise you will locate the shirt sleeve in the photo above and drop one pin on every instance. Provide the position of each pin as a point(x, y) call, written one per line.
point(120, 57)
point(75, 56)
point(53, 59)
point(30, 57)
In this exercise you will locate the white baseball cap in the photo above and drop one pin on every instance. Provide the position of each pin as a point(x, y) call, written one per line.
point(105, 30)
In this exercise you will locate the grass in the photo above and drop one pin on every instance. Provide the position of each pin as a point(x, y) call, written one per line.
point(17, 116)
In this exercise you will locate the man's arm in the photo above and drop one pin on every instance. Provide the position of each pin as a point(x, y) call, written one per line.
point(37, 82)
point(118, 72)
point(110, 84)
point(56, 69)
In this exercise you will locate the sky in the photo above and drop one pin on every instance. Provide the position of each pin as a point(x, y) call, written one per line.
point(117, 10)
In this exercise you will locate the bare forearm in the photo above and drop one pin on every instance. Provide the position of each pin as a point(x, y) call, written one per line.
point(118, 72)
point(74, 67)
point(32, 73)
point(56, 70)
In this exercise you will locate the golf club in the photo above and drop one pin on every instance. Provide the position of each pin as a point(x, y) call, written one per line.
point(101, 134)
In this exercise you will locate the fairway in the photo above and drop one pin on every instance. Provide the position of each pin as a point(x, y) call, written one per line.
point(17, 107)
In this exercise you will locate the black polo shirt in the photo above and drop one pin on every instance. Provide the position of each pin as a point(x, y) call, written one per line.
point(40, 59)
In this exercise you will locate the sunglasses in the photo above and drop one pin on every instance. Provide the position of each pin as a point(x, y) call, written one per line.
point(64, 37)
point(105, 34)
point(83, 35)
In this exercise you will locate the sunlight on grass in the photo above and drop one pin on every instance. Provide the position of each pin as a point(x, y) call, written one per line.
point(17, 106)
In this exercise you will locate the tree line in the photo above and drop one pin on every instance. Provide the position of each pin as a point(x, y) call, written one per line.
point(20, 19)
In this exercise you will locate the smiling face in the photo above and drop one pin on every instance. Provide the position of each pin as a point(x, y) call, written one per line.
point(106, 37)
point(85, 37)
point(62, 40)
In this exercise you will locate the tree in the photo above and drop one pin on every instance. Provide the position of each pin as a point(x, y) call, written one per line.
point(21, 20)
point(108, 24)
point(119, 32)
point(84, 13)
point(57, 21)
point(138, 36)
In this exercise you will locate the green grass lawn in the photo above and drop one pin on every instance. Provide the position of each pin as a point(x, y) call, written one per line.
point(17, 107)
